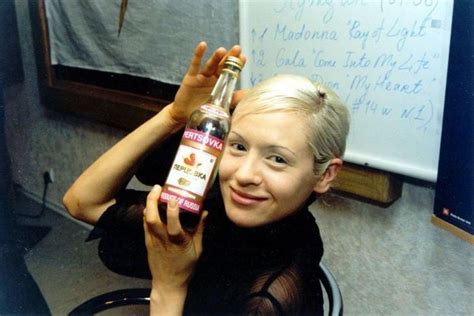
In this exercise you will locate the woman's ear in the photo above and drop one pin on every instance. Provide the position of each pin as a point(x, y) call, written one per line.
point(328, 176)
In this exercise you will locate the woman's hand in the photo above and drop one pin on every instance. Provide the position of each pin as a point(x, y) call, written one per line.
point(172, 253)
point(199, 80)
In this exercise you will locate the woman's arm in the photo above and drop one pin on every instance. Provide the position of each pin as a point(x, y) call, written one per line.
point(172, 255)
point(94, 190)
point(97, 186)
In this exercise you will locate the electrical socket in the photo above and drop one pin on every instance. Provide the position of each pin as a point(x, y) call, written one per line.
point(49, 175)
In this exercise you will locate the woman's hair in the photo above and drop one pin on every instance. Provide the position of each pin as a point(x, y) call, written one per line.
point(325, 114)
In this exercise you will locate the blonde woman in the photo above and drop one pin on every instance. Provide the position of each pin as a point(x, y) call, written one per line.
point(257, 247)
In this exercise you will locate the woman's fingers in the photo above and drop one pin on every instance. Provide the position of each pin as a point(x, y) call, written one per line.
point(172, 232)
point(243, 58)
point(235, 51)
point(195, 65)
point(215, 63)
point(152, 217)
point(175, 231)
point(212, 63)
point(151, 210)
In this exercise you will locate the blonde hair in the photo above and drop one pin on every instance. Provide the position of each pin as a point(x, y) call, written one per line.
point(325, 114)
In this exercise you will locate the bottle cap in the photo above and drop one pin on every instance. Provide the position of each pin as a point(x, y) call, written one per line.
point(233, 65)
point(233, 62)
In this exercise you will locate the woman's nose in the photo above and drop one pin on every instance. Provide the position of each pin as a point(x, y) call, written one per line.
point(248, 171)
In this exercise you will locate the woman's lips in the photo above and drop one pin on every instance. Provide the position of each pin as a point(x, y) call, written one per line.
point(244, 198)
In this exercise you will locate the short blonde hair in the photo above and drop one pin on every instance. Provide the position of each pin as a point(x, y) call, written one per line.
point(326, 116)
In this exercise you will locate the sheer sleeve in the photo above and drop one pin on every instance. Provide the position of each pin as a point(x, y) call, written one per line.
point(122, 246)
point(283, 292)
point(293, 288)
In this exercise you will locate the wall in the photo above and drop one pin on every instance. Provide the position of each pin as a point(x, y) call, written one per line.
point(39, 139)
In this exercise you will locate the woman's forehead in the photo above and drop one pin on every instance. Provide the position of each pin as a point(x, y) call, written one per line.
point(276, 127)
point(264, 111)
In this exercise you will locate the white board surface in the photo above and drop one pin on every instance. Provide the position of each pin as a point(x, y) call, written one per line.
point(387, 59)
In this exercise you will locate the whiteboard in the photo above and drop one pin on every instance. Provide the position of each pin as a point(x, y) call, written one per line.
point(386, 59)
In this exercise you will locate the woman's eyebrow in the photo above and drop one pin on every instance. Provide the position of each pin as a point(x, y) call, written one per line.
point(237, 134)
point(269, 147)
point(283, 148)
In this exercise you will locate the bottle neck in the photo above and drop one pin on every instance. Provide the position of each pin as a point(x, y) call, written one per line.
point(221, 95)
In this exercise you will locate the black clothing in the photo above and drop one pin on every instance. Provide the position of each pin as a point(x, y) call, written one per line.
point(268, 270)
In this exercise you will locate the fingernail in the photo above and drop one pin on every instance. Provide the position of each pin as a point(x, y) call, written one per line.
point(173, 202)
point(155, 188)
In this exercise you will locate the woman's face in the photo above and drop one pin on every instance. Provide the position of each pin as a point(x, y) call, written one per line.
point(266, 172)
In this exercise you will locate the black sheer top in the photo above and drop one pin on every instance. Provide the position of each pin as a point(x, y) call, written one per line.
point(270, 270)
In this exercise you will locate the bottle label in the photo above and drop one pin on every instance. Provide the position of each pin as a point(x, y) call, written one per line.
point(214, 110)
point(192, 169)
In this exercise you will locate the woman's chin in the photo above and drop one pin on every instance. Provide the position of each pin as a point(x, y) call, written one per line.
point(244, 219)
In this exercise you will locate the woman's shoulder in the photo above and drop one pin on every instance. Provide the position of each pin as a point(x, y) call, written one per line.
point(290, 290)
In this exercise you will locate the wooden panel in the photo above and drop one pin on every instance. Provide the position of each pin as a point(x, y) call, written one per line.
point(456, 231)
point(119, 109)
point(375, 185)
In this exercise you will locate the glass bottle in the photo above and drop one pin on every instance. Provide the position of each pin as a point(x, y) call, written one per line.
point(196, 162)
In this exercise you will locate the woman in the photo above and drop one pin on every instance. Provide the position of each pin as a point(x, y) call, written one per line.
point(258, 248)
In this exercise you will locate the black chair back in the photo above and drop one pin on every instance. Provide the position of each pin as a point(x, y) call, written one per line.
point(141, 296)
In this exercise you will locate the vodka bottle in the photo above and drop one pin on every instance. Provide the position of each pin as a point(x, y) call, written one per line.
point(195, 165)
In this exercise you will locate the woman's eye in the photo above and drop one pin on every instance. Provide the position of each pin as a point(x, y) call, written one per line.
point(278, 160)
point(237, 146)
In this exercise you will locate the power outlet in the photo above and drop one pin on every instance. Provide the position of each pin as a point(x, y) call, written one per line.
point(49, 176)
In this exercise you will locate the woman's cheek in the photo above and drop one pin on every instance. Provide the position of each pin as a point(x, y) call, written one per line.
point(224, 166)
point(281, 187)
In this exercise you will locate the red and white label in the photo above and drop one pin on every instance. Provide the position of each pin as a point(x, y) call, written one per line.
point(183, 202)
point(192, 170)
point(204, 139)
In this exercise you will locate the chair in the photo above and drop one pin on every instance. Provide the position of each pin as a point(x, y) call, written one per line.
point(125, 297)
point(141, 296)
point(332, 290)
